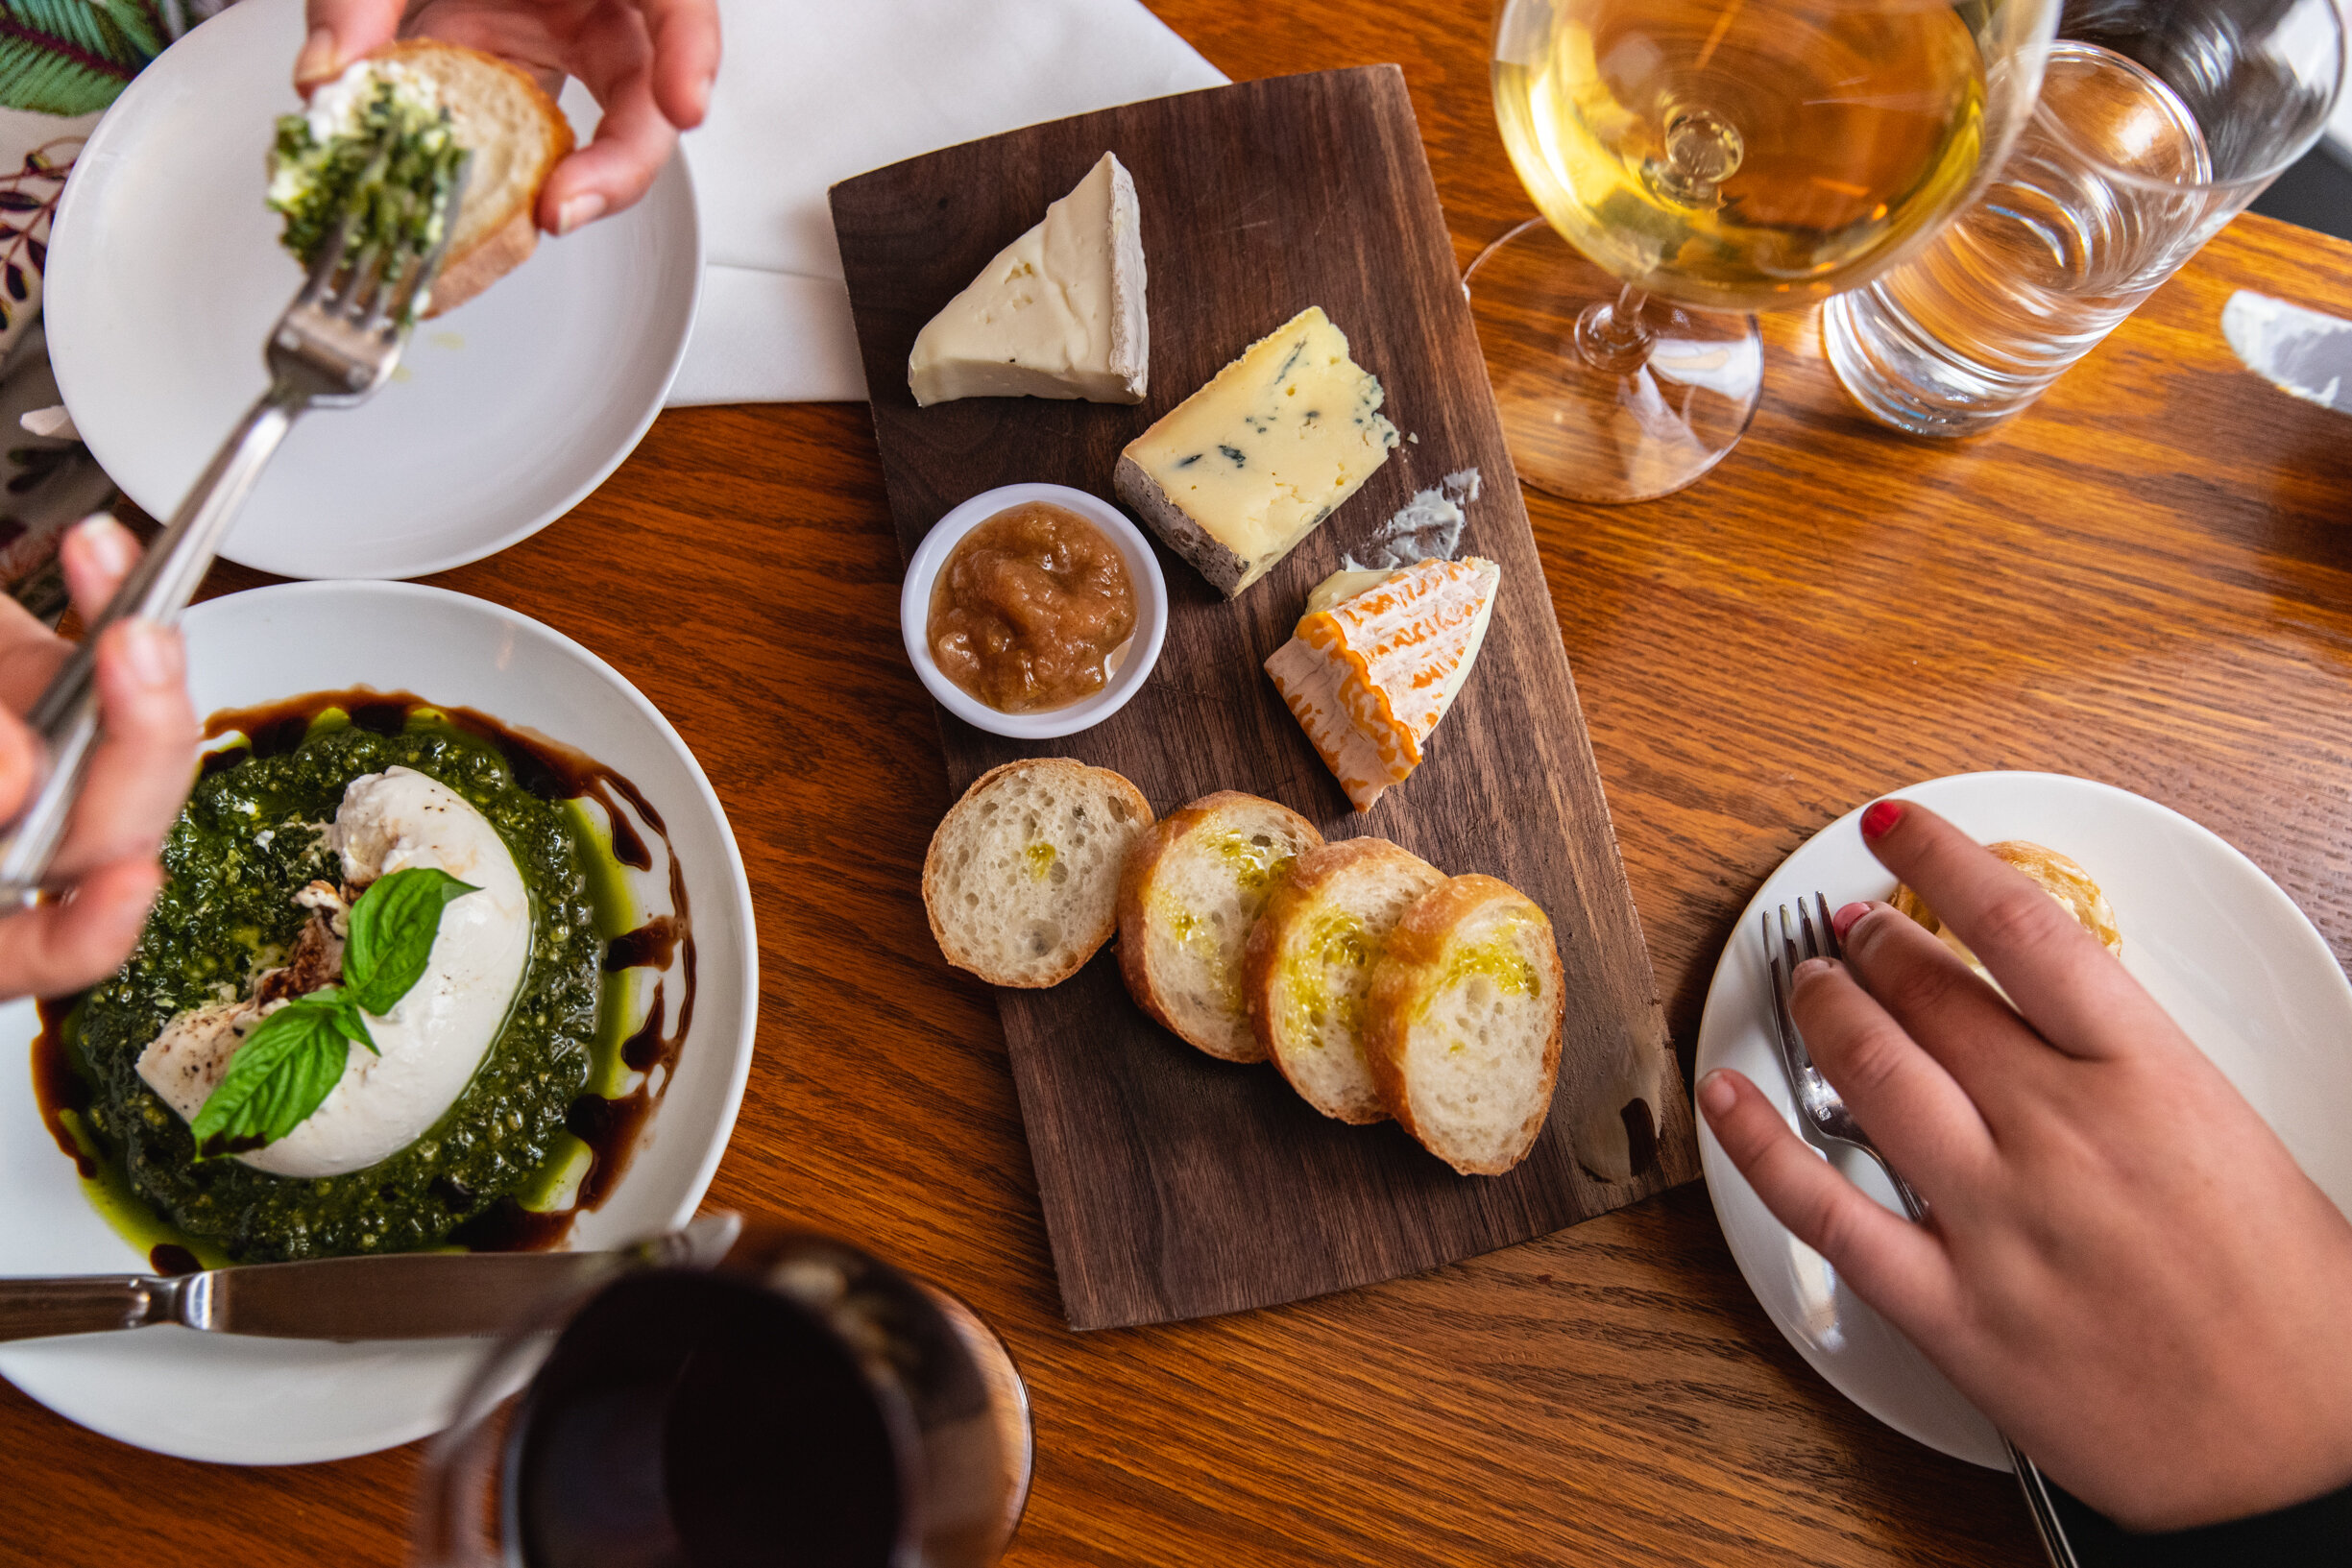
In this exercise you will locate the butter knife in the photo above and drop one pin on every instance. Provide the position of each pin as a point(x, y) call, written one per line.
point(414, 1295)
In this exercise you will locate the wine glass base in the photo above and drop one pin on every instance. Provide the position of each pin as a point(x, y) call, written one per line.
point(1593, 434)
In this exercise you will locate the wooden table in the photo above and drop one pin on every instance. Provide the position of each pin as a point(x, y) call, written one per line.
point(2148, 579)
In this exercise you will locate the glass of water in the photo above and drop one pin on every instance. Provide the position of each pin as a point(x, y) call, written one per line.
point(2159, 120)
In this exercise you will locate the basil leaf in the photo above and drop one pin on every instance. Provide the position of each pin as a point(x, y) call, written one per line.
point(393, 926)
point(292, 1061)
point(342, 1013)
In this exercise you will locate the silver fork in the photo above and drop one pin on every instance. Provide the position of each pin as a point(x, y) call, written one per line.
point(334, 346)
point(1820, 1111)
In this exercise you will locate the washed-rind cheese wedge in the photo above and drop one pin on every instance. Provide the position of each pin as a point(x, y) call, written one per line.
point(1058, 313)
point(1461, 1026)
point(1194, 887)
point(1368, 678)
point(1236, 474)
point(1308, 967)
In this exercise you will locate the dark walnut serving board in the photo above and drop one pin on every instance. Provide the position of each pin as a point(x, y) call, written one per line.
point(1175, 1186)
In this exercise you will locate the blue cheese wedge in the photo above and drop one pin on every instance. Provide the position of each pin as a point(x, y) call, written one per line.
point(1059, 313)
point(1236, 474)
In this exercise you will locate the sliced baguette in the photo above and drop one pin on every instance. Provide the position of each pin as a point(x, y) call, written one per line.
point(1308, 965)
point(1194, 886)
point(1022, 878)
point(517, 137)
point(1461, 1026)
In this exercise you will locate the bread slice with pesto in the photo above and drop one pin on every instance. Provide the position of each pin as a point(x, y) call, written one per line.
point(401, 118)
point(1022, 878)
point(1462, 1023)
point(1308, 966)
point(1193, 890)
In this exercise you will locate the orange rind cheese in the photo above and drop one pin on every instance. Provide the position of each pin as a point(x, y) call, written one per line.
point(1369, 678)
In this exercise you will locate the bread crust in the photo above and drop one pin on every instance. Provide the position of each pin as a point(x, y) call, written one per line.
point(1081, 951)
point(1143, 864)
point(508, 243)
point(2059, 876)
point(1300, 891)
point(1407, 971)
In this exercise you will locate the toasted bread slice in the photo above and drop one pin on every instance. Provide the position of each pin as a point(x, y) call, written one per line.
point(1461, 1026)
point(2055, 874)
point(1022, 878)
point(1308, 965)
point(1194, 887)
point(517, 137)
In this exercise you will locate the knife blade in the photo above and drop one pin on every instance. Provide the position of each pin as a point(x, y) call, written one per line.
point(2304, 353)
point(416, 1295)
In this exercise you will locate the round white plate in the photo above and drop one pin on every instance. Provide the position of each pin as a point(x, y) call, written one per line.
point(284, 1402)
point(165, 276)
point(2215, 941)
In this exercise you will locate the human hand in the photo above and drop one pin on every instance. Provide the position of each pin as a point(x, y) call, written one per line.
point(649, 63)
point(139, 772)
point(2122, 1265)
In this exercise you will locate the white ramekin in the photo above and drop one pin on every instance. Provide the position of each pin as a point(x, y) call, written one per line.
point(1131, 663)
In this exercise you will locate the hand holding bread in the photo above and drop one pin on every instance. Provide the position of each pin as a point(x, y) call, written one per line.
point(649, 63)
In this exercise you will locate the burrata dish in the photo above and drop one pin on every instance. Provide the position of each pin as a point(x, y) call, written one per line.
point(441, 1106)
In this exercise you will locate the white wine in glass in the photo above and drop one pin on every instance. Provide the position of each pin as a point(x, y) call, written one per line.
point(1706, 158)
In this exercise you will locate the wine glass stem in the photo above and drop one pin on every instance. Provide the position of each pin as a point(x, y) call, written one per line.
point(1613, 337)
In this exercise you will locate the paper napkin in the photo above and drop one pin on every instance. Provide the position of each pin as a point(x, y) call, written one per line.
point(813, 92)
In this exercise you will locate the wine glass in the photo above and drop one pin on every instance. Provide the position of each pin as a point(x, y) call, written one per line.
point(1696, 160)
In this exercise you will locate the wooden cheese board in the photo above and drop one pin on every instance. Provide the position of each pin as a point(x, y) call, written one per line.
point(1174, 1185)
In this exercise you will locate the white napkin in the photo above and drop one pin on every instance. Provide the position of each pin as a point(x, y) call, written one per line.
point(813, 92)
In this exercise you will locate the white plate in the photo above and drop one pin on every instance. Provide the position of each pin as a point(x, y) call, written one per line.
point(165, 275)
point(2215, 941)
point(285, 1402)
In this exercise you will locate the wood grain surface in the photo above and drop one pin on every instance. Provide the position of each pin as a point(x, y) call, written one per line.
point(1154, 1161)
point(2147, 579)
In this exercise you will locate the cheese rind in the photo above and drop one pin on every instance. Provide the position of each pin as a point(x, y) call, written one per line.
point(1236, 474)
point(1058, 313)
point(1369, 677)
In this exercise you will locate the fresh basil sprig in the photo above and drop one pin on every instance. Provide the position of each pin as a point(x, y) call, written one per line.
point(294, 1058)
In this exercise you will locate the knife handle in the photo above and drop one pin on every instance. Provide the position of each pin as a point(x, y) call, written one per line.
point(31, 1308)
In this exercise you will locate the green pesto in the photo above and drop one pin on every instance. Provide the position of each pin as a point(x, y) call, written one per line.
point(394, 168)
point(240, 849)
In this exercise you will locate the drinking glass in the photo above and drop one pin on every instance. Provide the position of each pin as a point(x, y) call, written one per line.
point(2159, 120)
point(1696, 160)
point(791, 1398)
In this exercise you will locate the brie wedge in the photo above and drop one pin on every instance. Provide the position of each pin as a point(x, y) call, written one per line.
point(1059, 313)
point(434, 1037)
point(1368, 677)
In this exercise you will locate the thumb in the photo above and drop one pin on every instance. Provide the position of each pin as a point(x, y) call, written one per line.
point(341, 31)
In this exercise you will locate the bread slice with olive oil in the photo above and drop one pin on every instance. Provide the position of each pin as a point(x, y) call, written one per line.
point(1022, 878)
point(1193, 888)
point(495, 111)
point(1308, 966)
point(1462, 1025)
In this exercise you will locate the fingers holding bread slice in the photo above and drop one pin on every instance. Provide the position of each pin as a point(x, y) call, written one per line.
point(1308, 966)
point(1194, 885)
point(1462, 1023)
point(1022, 878)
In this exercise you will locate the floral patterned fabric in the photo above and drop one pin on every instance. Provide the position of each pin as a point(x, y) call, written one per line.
point(61, 62)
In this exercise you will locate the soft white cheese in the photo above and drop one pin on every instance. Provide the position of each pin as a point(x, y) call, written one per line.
point(435, 1036)
point(1058, 313)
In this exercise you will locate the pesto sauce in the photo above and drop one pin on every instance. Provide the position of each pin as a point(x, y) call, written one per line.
point(248, 838)
point(393, 168)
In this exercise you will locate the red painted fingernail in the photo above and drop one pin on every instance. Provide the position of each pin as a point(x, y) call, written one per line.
point(1879, 818)
point(1843, 921)
point(1715, 1093)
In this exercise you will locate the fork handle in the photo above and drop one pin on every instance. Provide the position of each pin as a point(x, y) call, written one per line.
point(2030, 1478)
point(158, 587)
